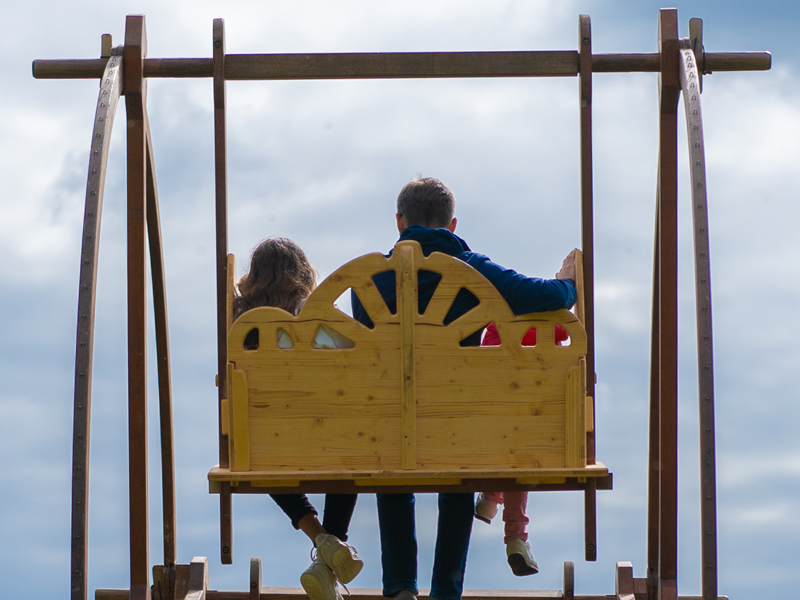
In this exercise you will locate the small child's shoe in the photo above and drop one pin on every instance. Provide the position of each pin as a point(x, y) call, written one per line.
point(520, 558)
point(319, 582)
point(485, 509)
point(340, 557)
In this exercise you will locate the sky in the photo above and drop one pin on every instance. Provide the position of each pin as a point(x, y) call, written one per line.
point(321, 163)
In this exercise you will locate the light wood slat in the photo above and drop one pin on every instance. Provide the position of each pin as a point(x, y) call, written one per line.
point(575, 416)
point(595, 470)
point(239, 419)
point(407, 310)
point(230, 290)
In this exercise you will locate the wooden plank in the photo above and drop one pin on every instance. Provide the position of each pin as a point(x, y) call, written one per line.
point(221, 254)
point(517, 474)
point(407, 309)
point(399, 65)
point(239, 419)
point(255, 579)
point(134, 89)
point(574, 418)
point(230, 292)
point(691, 86)
point(669, 91)
point(586, 266)
point(653, 469)
point(107, 101)
point(376, 594)
point(431, 485)
point(162, 353)
point(198, 579)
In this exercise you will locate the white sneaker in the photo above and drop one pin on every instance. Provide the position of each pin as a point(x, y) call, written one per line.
point(405, 595)
point(319, 582)
point(485, 509)
point(520, 558)
point(340, 557)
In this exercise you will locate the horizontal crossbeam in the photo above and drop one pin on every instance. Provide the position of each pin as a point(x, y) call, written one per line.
point(288, 593)
point(398, 65)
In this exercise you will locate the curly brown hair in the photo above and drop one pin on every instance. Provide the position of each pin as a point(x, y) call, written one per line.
point(280, 275)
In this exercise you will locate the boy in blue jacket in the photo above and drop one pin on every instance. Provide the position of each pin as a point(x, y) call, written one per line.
point(425, 213)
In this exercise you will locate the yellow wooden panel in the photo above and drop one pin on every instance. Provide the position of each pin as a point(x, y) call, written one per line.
point(407, 309)
point(275, 482)
point(408, 481)
point(223, 412)
point(407, 395)
point(543, 479)
point(575, 416)
point(589, 402)
point(240, 440)
point(230, 288)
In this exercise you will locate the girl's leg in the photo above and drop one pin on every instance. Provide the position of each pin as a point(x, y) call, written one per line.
point(514, 517)
point(302, 513)
point(494, 496)
point(338, 512)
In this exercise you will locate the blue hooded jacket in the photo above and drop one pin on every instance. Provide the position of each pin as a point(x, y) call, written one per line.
point(523, 294)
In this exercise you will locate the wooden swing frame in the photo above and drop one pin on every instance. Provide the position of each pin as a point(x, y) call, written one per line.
point(680, 64)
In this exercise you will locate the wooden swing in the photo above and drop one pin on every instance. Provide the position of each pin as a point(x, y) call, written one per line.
point(406, 407)
point(397, 411)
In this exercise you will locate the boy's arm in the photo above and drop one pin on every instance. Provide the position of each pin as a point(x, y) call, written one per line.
point(527, 294)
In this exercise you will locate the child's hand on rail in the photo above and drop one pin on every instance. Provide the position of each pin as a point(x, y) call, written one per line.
point(568, 270)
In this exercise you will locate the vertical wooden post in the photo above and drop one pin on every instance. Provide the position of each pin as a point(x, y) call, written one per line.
point(669, 92)
point(135, 95)
point(163, 363)
point(221, 187)
point(654, 465)
point(108, 98)
point(587, 242)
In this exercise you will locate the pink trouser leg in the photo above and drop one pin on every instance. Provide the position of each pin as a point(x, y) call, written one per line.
point(514, 517)
point(494, 496)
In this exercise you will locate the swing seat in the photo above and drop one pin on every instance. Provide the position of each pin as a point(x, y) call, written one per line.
point(405, 407)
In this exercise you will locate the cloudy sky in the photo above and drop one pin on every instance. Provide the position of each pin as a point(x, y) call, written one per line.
point(322, 162)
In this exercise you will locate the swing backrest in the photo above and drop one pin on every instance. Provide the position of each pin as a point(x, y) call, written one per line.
point(405, 398)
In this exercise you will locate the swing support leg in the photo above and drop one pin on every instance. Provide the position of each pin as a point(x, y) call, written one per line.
point(587, 243)
point(135, 92)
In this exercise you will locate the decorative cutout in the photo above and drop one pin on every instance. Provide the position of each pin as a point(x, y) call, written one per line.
point(428, 281)
point(344, 303)
point(327, 338)
point(474, 338)
point(387, 280)
point(251, 339)
point(360, 313)
point(529, 339)
point(491, 337)
point(284, 339)
point(467, 300)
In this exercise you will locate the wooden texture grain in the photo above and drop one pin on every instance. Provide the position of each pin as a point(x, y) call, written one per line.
point(474, 409)
point(107, 102)
point(137, 134)
point(691, 87)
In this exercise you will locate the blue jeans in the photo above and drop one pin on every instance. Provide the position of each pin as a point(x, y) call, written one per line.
point(399, 544)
